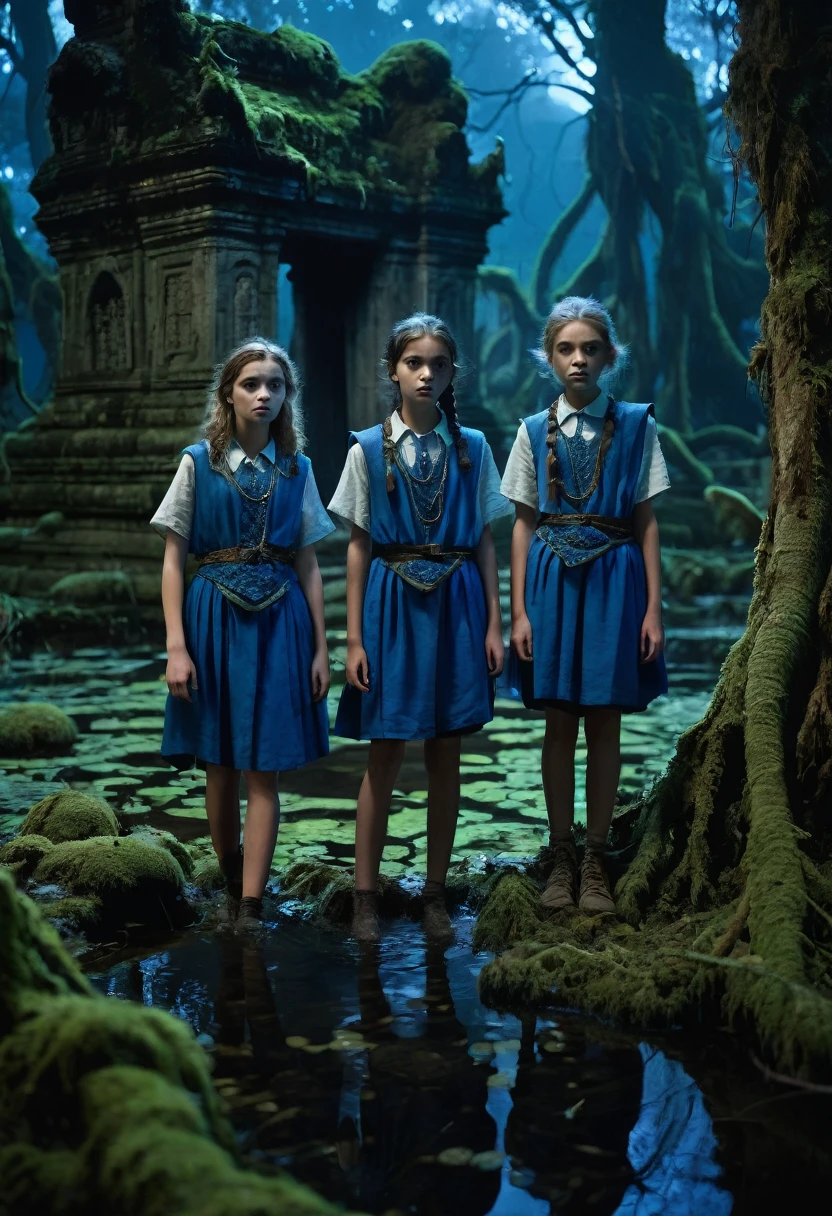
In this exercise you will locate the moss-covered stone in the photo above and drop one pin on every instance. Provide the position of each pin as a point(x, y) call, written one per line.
point(137, 883)
point(106, 1105)
point(166, 840)
point(93, 587)
point(69, 815)
point(24, 853)
point(35, 728)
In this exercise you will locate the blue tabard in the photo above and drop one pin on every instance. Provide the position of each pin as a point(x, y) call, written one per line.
point(393, 518)
point(613, 497)
point(225, 519)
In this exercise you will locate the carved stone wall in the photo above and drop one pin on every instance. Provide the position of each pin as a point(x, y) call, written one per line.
point(169, 214)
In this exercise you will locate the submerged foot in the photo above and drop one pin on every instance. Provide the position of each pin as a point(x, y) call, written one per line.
point(249, 915)
point(595, 889)
point(435, 920)
point(562, 882)
point(365, 926)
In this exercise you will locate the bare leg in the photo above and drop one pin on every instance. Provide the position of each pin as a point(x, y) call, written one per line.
point(260, 833)
point(557, 764)
point(442, 763)
point(383, 766)
point(222, 806)
point(603, 768)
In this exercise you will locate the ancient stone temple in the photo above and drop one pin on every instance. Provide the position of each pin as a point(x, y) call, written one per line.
point(192, 158)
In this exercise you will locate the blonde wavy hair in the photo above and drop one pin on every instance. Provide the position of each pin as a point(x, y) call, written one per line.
point(286, 429)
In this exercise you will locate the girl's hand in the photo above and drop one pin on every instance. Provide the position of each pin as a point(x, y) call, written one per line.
point(358, 669)
point(495, 651)
point(320, 676)
point(521, 638)
point(180, 674)
point(652, 636)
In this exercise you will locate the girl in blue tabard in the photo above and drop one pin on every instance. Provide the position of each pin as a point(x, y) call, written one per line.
point(424, 637)
point(248, 670)
point(585, 583)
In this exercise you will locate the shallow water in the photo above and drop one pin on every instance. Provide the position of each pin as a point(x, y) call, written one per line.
point(392, 1087)
point(378, 1077)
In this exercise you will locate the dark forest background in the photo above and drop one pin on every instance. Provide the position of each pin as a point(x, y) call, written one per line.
point(638, 202)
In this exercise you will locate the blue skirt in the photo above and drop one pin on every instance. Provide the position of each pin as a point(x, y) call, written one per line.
point(586, 626)
point(426, 655)
point(252, 709)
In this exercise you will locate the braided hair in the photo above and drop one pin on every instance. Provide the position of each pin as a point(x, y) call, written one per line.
point(422, 325)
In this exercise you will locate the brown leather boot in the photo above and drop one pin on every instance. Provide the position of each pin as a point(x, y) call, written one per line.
point(365, 926)
point(249, 915)
point(595, 890)
point(435, 920)
point(562, 881)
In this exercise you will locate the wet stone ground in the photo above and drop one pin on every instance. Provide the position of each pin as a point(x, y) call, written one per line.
point(377, 1077)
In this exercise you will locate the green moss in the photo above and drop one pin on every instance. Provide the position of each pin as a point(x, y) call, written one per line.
point(207, 876)
point(137, 883)
point(414, 71)
point(34, 728)
point(220, 95)
point(24, 853)
point(76, 913)
point(166, 840)
point(69, 815)
point(33, 963)
point(106, 1105)
point(46, 1058)
point(511, 913)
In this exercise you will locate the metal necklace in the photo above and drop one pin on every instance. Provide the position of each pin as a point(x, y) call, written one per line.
point(580, 497)
point(229, 476)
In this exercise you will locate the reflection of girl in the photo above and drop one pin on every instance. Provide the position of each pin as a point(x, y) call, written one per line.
point(585, 582)
point(421, 1096)
point(248, 671)
point(423, 610)
point(599, 1085)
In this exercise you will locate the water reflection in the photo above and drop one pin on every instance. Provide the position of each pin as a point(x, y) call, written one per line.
point(381, 1080)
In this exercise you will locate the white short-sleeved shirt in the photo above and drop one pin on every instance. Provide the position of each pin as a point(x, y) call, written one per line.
point(176, 511)
point(520, 478)
point(351, 500)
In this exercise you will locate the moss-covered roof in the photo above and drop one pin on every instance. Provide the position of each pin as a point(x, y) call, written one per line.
point(282, 96)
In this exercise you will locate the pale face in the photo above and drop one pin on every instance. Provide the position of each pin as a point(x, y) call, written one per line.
point(258, 392)
point(424, 371)
point(579, 357)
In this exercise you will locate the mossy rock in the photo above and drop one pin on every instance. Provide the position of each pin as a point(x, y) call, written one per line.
point(69, 815)
point(93, 587)
point(512, 913)
point(208, 877)
point(137, 883)
point(166, 840)
point(24, 854)
point(35, 728)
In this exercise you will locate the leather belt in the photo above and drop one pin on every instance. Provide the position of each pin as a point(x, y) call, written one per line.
point(241, 555)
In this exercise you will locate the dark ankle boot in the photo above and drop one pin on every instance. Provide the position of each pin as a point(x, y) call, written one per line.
point(249, 914)
point(365, 926)
point(435, 919)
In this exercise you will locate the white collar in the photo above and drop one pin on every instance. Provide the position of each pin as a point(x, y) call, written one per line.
point(399, 428)
point(595, 409)
point(235, 455)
